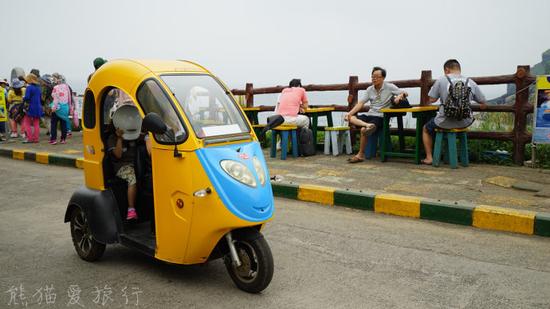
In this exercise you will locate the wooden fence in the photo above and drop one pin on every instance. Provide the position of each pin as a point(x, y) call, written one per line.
point(521, 108)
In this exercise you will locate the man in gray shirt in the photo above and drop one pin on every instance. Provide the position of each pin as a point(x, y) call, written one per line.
point(379, 96)
point(440, 91)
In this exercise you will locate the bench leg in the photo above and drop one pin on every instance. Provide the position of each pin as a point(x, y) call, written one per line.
point(347, 137)
point(451, 140)
point(294, 144)
point(464, 160)
point(334, 141)
point(284, 144)
point(437, 149)
point(401, 134)
point(327, 142)
point(341, 140)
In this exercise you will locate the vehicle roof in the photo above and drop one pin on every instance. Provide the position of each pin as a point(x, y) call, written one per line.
point(126, 73)
point(158, 66)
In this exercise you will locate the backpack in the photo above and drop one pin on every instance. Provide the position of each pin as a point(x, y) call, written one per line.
point(457, 104)
point(306, 146)
point(18, 111)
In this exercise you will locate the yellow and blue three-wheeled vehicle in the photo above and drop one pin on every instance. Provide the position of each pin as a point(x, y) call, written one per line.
point(203, 190)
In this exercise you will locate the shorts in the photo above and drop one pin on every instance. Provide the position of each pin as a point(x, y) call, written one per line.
point(431, 126)
point(127, 173)
point(377, 121)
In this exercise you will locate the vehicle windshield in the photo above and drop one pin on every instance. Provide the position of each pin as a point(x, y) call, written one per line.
point(208, 107)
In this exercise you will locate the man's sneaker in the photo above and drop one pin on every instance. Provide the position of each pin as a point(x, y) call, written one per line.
point(52, 142)
point(63, 141)
point(132, 214)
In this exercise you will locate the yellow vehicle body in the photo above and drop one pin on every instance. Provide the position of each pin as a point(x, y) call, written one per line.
point(187, 232)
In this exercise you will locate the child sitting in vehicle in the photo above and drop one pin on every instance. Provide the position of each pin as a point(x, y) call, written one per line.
point(122, 145)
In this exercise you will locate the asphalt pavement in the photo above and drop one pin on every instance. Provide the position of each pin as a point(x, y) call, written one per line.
point(519, 188)
point(325, 257)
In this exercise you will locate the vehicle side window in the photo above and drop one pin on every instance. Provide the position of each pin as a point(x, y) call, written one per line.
point(114, 99)
point(89, 110)
point(153, 100)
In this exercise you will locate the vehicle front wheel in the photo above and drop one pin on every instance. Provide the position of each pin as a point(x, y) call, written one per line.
point(256, 270)
point(87, 248)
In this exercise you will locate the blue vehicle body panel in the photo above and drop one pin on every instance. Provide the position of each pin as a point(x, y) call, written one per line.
point(248, 203)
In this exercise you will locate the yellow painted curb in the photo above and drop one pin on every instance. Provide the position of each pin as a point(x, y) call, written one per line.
point(42, 157)
point(398, 205)
point(319, 194)
point(501, 219)
point(79, 163)
point(18, 154)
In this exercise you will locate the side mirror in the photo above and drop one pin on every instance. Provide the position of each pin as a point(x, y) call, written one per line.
point(153, 123)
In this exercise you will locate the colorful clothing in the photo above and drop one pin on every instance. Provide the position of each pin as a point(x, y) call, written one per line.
point(3, 110)
point(13, 98)
point(60, 94)
point(33, 96)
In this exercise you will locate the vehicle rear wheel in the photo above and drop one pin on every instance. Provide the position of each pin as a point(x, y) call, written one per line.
point(87, 248)
point(256, 270)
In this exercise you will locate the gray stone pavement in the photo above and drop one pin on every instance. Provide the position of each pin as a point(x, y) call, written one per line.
point(481, 184)
point(325, 257)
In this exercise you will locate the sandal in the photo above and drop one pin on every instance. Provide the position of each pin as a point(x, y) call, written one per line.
point(355, 160)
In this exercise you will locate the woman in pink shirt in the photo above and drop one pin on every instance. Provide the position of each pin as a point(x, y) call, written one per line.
point(291, 101)
point(60, 108)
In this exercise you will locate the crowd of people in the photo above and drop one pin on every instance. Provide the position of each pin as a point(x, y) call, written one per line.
point(33, 99)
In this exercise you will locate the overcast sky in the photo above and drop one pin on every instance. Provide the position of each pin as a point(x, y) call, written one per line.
point(270, 42)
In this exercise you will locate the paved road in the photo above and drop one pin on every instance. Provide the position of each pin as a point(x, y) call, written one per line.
point(324, 258)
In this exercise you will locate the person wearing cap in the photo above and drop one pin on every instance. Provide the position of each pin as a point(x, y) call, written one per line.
point(60, 108)
point(98, 62)
point(122, 146)
point(31, 121)
point(15, 98)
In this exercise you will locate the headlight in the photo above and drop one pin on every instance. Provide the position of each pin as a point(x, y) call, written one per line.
point(259, 170)
point(239, 172)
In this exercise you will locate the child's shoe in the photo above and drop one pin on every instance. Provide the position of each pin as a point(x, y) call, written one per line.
point(132, 214)
point(63, 141)
point(53, 142)
point(13, 135)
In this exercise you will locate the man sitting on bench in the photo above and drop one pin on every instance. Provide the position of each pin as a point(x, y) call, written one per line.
point(379, 95)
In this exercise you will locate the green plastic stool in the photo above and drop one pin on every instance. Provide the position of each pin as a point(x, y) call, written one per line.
point(451, 136)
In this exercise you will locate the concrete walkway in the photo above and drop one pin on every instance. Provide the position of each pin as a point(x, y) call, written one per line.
point(464, 196)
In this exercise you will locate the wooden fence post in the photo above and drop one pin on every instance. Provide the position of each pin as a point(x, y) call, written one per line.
point(425, 83)
point(249, 95)
point(353, 91)
point(520, 114)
